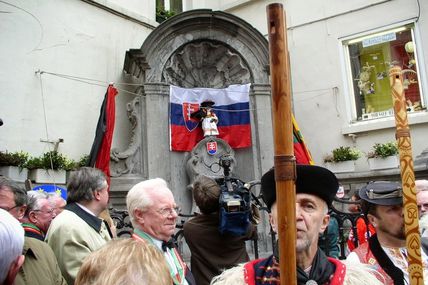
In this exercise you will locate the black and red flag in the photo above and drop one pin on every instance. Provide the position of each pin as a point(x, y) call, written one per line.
point(99, 156)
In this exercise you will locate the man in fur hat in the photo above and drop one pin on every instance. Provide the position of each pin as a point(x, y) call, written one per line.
point(315, 188)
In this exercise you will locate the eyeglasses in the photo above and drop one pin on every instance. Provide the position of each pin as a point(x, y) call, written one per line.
point(50, 211)
point(9, 209)
point(425, 206)
point(166, 212)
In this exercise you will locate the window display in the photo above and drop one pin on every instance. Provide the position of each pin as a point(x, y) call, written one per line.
point(370, 58)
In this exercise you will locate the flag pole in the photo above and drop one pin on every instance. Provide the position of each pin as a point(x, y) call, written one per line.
point(284, 160)
point(411, 219)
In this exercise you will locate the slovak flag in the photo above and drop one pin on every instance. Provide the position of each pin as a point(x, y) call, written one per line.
point(231, 106)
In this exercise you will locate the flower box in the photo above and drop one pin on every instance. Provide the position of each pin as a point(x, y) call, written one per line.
point(47, 176)
point(341, 167)
point(377, 163)
point(14, 172)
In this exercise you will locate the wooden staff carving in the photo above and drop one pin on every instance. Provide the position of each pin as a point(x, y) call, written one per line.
point(285, 163)
point(411, 219)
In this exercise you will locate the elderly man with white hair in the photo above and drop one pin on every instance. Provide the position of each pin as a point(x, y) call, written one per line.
point(11, 245)
point(422, 202)
point(153, 213)
point(422, 196)
point(38, 216)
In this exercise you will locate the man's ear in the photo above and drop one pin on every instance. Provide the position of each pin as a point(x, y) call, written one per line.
point(97, 195)
point(138, 216)
point(372, 220)
point(13, 269)
point(21, 212)
point(273, 218)
point(272, 223)
point(324, 224)
point(32, 217)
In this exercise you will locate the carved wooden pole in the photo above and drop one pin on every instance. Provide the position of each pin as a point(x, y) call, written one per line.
point(285, 163)
point(411, 219)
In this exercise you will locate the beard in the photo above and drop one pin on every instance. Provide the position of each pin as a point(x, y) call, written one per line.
point(398, 234)
point(302, 243)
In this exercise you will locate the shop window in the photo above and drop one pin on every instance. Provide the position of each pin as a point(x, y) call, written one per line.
point(369, 59)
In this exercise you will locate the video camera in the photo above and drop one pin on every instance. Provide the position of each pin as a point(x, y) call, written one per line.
point(234, 202)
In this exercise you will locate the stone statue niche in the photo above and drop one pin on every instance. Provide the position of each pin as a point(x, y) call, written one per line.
point(206, 64)
point(200, 162)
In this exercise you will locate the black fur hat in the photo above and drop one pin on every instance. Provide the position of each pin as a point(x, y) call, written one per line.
point(311, 179)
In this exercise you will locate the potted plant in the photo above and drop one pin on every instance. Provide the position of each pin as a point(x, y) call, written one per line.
point(48, 168)
point(342, 159)
point(383, 156)
point(12, 165)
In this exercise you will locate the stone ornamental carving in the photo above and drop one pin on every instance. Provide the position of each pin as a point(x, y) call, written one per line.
point(202, 163)
point(205, 64)
point(128, 161)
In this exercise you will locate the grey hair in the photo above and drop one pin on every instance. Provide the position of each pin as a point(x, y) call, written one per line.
point(19, 193)
point(55, 196)
point(35, 199)
point(140, 196)
point(11, 242)
point(421, 185)
point(83, 183)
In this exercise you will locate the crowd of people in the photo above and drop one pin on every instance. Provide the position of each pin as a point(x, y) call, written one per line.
point(47, 240)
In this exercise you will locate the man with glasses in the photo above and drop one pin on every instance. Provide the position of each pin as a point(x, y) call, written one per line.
point(13, 198)
point(38, 216)
point(78, 231)
point(422, 202)
point(153, 213)
point(422, 196)
point(385, 251)
point(40, 265)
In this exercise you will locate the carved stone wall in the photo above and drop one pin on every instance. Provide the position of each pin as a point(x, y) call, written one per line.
point(205, 64)
point(200, 48)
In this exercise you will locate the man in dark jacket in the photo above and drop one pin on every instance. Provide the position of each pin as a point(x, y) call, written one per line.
point(211, 251)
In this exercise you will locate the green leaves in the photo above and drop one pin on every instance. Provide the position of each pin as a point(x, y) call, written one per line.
point(49, 160)
point(383, 150)
point(17, 158)
point(343, 153)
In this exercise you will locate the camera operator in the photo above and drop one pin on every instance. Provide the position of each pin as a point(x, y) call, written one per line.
point(211, 251)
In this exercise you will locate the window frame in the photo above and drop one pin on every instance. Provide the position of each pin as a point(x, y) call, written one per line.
point(354, 125)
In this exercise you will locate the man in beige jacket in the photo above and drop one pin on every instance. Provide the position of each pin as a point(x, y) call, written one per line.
point(78, 231)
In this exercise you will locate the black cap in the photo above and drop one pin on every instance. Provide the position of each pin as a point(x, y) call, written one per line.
point(207, 104)
point(384, 193)
point(311, 179)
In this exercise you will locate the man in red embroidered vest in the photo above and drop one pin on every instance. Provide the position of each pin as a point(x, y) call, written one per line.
point(382, 203)
point(315, 188)
point(153, 213)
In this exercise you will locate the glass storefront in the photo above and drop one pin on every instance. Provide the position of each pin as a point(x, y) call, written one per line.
point(370, 58)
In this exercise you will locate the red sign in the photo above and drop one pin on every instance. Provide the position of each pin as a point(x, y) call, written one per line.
point(212, 147)
point(188, 109)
